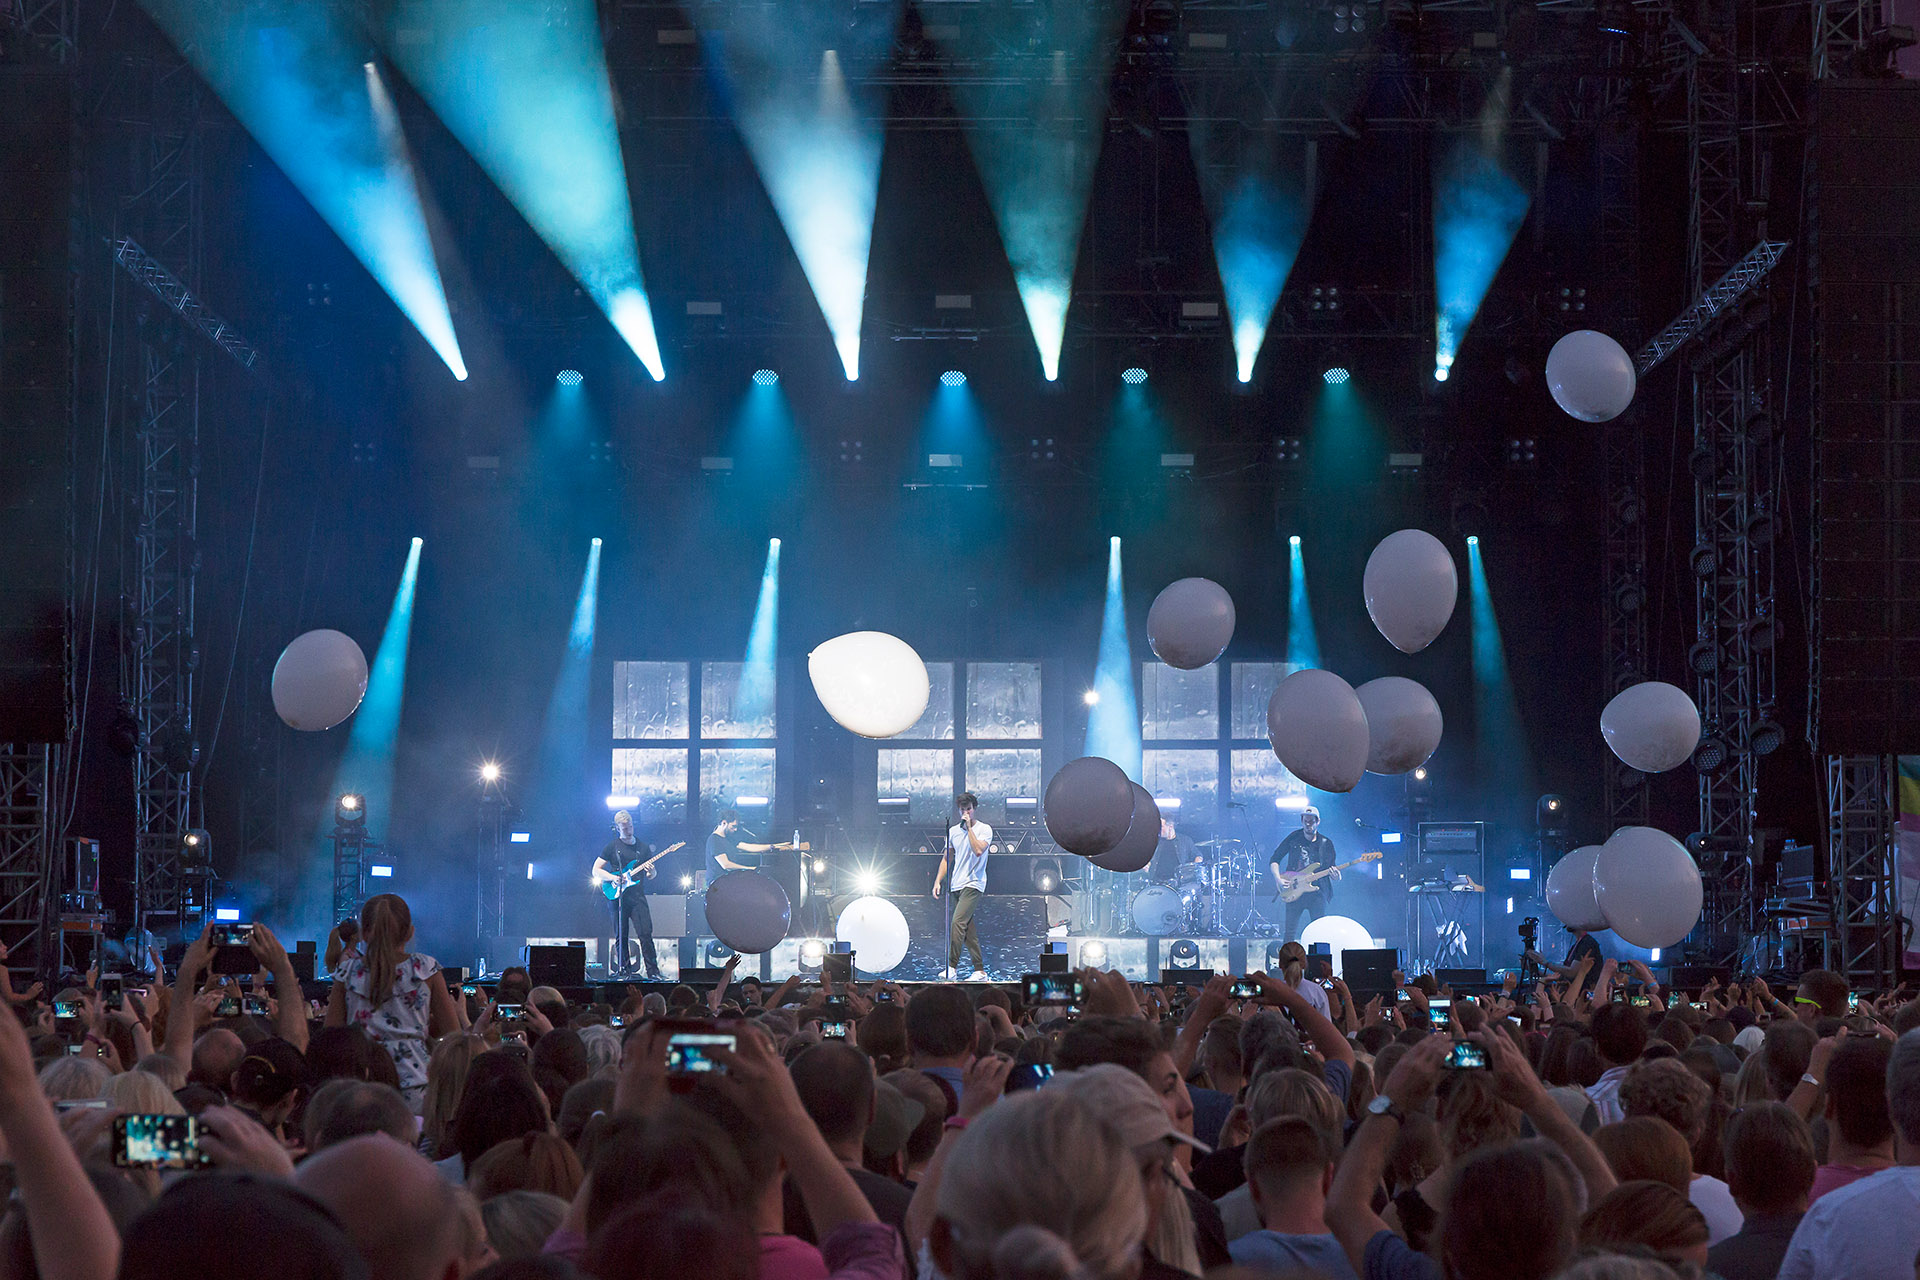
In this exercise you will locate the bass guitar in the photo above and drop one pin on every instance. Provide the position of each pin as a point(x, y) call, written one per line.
point(1295, 885)
point(636, 870)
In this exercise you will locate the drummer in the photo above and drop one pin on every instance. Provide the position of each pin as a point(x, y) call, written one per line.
point(1174, 852)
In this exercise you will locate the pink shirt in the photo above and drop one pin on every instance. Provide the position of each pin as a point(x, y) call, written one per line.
point(1832, 1177)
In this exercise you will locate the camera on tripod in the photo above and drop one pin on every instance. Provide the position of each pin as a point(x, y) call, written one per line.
point(1530, 932)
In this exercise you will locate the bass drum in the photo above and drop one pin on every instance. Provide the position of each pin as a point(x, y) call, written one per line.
point(1160, 910)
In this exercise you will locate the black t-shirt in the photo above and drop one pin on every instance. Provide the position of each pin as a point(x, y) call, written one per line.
point(1584, 947)
point(1168, 857)
point(1296, 853)
point(619, 855)
point(717, 845)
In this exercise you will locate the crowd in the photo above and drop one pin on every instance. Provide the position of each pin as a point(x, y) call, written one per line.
point(403, 1129)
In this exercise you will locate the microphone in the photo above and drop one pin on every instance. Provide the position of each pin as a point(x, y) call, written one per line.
point(1362, 822)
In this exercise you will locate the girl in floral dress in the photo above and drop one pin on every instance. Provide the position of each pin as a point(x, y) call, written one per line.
point(398, 998)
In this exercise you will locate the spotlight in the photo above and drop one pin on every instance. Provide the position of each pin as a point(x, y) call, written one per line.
point(1289, 802)
point(622, 802)
point(226, 915)
point(1093, 954)
point(1420, 774)
point(1184, 953)
point(193, 840)
point(1294, 540)
point(1473, 539)
point(350, 810)
point(1134, 377)
point(866, 882)
point(765, 377)
point(1046, 875)
point(1712, 753)
point(1335, 377)
point(529, 871)
point(489, 772)
point(596, 542)
point(812, 952)
point(569, 378)
point(1439, 373)
point(686, 882)
point(520, 837)
point(380, 871)
point(718, 953)
point(1091, 697)
point(819, 866)
point(1766, 737)
point(953, 378)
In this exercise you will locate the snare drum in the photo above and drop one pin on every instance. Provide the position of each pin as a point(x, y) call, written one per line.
point(1160, 910)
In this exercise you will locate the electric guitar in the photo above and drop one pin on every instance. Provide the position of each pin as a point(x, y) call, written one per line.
point(1298, 884)
point(621, 881)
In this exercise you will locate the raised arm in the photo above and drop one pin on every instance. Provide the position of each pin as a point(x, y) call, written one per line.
point(1325, 1036)
point(1349, 1212)
point(180, 1009)
point(1210, 1004)
point(1514, 1080)
point(757, 1079)
point(290, 1008)
point(1603, 987)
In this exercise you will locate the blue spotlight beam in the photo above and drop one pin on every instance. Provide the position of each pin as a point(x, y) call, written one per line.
point(563, 790)
point(525, 89)
point(815, 140)
point(1035, 139)
point(1506, 763)
point(296, 79)
point(1477, 211)
point(756, 701)
point(1260, 209)
point(366, 766)
point(1303, 643)
point(1113, 722)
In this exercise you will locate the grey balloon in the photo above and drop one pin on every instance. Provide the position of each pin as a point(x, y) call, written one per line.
point(1089, 806)
point(748, 911)
point(1190, 623)
point(1136, 848)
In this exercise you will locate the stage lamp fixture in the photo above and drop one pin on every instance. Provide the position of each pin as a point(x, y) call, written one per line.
point(1046, 875)
point(1184, 953)
point(569, 378)
point(1093, 954)
point(1134, 377)
point(350, 810)
point(622, 802)
point(765, 377)
point(953, 378)
point(1293, 540)
point(812, 952)
point(819, 866)
point(866, 881)
point(717, 953)
point(489, 772)
point(1091, 697)
point(380, 871)
point(686, 882)
point(1336, 377)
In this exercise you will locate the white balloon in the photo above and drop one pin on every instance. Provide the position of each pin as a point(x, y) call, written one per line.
point(1136, 848)
point(1411, 587)
point(319, 680)
point(1319, 729)
point(1570, 890)
point(876, 930)
point(1341, 935)
point(1590, 375)
point(870, 682)
point(1190, 623)
point(1652, 726)
point(1089, 806)
point(1403, 724)
point(1648, 887)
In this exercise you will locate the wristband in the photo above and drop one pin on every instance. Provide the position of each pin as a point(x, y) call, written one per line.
point(1807, 1077)
point(956, 1123)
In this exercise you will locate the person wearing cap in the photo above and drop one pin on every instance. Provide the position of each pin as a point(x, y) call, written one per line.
point(1293, 970)
point(854, 1112)
point(1130, 1105)
point(1305, 850)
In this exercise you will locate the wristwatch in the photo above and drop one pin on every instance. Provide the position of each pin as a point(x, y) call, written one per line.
point(1382, 1105)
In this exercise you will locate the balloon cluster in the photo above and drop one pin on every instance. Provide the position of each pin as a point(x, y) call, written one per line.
point(1642, 884)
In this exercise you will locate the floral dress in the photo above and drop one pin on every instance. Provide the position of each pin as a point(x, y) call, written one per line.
point(399, 1025)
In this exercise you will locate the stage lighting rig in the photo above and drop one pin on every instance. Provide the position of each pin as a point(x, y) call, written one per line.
point(490, 772)
point(1047, 877)
point(1093, 954)
point(350, 810)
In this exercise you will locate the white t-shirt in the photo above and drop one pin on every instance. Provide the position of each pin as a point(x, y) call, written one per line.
point(969, 868)
point(1715, 1203)
point(1316, 996)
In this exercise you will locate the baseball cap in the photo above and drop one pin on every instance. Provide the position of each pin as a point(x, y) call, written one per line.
point(1309, 812)
point(895, 1117)
point(1124, 1101)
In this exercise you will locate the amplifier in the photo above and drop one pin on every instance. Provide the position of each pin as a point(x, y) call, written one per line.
point(551, 966)
point(1451, 837)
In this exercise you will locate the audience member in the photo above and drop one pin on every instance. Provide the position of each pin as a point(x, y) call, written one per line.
point(393, 1205)
point(940, 1036)
point(1651, 1214)
point(399, 998)
point(1859, 1126)
point(1666, 1090)
point(535, 1161)
point(1620, 1035)
point(1290, 1164)
point(344, 1108)
point(1770, 1171)
point(1645, 1149)
point(519, 1222)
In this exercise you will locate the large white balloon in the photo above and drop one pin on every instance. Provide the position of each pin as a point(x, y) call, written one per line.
point(1403, 723)
point(1341, 934)
point(1570, 890)
point(1648, 887)
point(876, 930)
point(319, 680)
point(1136, 848)
point(1089, 806)
point(1590, 375)
point(1190, 623)
point(1652, 726)
point(1411, 587)
point(870, 682)
point(1319, 729)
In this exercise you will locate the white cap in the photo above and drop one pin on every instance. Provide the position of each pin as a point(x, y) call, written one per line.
point(1309, 812)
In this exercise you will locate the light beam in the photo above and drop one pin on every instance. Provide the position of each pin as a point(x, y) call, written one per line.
point(1477, 211)
point(525, 89)
point(565, 788)
point(1113, 718)
point(366, 767)
point(1505, 760)
point(1260, 210)
point(1303, 643)
point(296, 79)
point(757, 675)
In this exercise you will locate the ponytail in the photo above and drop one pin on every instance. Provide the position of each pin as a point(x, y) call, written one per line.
point(386, 925)
point(1028, 1252)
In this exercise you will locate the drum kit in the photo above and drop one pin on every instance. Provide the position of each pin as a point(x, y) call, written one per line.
point(1221, 895)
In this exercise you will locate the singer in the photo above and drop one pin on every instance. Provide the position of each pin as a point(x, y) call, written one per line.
point(967, 842)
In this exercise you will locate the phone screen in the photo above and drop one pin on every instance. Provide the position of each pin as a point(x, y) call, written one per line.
point(1440, 1012)
point(110, 989)
point(70, 1010)
point(838, 1030)
point(1244, 990)
point(1062, 989)
point(229, 1007)
point(157, 1142)
point(1029, 1075)
point(232, 935)
point(1466, 1056)
point(256, 1005)
point(687, 1052)
point(509, 1012)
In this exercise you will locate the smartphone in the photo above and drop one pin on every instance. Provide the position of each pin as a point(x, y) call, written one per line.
point(509, 1012)
point(1029, 1075)
point(256, 1005)
point(1467, 1056)
point(1242, 989)
point(469, 989)
point(1440, 1012)
point(836, 1030)
point(1640, 1002)
point(1067, 990)
point(229, 1007)
point(617, 1020)
point(81, 1104)
point(232, 935)
point(687, 1052)
point(1853, 1001)
point(73, 1050)
point(883, 997)
point(157, 1142)
point(68, 1011)
point(231, 955)
point(111, 990)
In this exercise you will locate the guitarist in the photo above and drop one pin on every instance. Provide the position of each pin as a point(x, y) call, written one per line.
point(1299, 852)
point(628, 911)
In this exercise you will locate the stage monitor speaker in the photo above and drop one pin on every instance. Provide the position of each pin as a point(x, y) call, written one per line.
point(1458, 978)
point(1052, 961)
point(36, 380)
point(1195, 976)
point(303, 965)
point(1369, 969)
point(557, 966)
point(1863, 257)
point(1691, 977)
point(669, 912)
point(702, 977)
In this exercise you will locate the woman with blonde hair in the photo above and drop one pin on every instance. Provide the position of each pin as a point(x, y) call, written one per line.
point(141, 1093)
point(1039, 1186)
point(446, 1083)
point(399, 998)
point(75, 1079)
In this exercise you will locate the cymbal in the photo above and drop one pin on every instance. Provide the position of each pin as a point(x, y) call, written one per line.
point(1218, 840)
